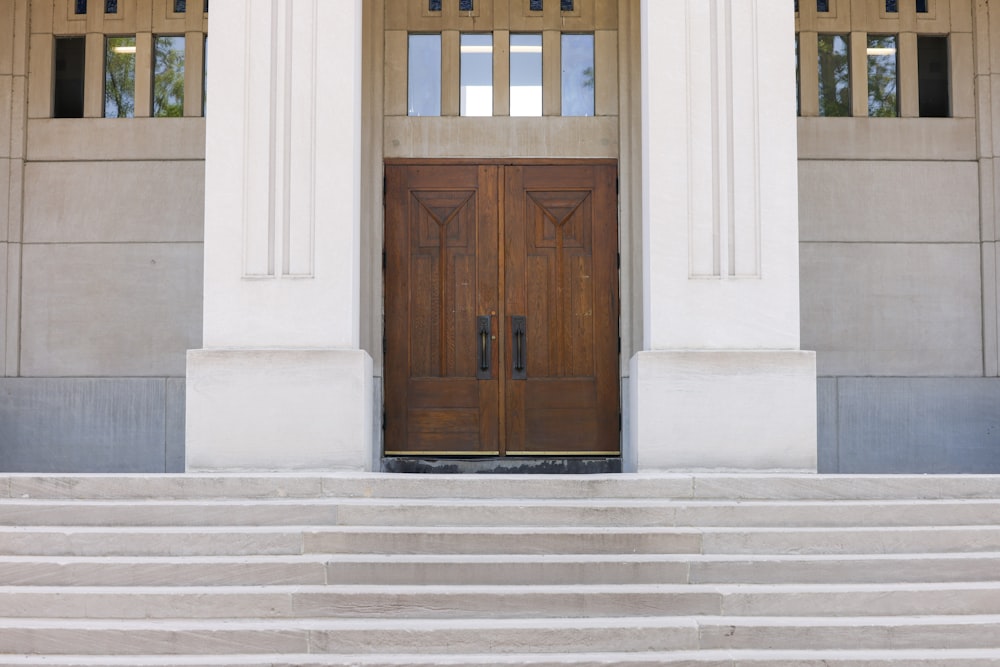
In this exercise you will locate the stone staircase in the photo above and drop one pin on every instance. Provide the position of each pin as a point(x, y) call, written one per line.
point(706, 570)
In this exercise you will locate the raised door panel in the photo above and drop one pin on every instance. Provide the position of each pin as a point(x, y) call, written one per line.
point(441, 278)
point(561, 301)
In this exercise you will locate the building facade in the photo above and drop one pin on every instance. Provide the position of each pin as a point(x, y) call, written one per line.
point(716, 234)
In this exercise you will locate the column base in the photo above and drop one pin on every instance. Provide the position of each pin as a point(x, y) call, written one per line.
point(279, 410)
point(722, 410)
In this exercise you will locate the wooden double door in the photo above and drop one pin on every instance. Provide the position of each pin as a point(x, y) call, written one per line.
point(501, 309)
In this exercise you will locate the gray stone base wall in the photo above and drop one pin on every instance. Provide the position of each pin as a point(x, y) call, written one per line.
point(83, 425)
point(909, 425)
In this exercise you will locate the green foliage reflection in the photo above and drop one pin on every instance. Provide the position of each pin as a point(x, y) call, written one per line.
point(168, 77)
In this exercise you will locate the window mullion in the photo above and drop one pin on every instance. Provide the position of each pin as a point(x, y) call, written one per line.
point(908, 76)
point(809, 73)
point(551, 73)
point(501, 73)
point(143, 74)
point(859, 74)
point(451, 82)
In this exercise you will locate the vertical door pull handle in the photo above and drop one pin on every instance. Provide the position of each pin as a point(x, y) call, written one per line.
point(519, 327)
point(485, 351)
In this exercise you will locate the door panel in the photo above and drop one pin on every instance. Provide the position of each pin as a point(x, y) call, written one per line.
point(533, 250)
point(561, 275)
point(441, 274)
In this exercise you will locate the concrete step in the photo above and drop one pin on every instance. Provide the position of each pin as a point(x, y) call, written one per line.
point(292, 540)
point(499, 602)
point(494, 569)
point(468, 635)
point(736, 486)
point(744, 658)
point(469, 512)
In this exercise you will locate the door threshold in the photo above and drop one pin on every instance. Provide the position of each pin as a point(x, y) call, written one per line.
point(514, 465)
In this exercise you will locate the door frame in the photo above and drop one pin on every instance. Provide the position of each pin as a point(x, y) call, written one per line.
point(542, 457)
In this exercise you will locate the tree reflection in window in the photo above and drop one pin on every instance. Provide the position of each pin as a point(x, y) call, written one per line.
point(883, 101)
point(168, 76)
point(834, 75)
point(119, 77)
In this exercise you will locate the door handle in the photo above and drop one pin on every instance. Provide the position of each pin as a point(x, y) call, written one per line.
point(519, 328)
point(485, 348)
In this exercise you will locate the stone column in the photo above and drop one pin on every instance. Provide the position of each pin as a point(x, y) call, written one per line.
point(281, 382)
point(721, 382)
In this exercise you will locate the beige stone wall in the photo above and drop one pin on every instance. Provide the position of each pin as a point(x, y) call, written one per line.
point(100, 246)
point(889, 207)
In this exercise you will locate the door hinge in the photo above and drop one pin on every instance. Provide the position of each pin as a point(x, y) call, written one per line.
point(385, 345)
point(619, 345)
point(617, 186)
point(383, 420)
point(385, 188)
point(619, 422)
point(385, 261)
point(619, 260)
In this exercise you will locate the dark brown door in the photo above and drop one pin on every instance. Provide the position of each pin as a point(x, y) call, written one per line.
point(501, 309)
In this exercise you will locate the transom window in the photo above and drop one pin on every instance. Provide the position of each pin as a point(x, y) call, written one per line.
point(892, 70)
point(152, 67)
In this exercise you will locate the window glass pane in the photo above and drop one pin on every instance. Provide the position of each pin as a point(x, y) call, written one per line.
point(932, 68)
point(882, 98)
point(566, 5)
point(535, 5)
point(424, 78)
point(578, 75)
point(822, 6)
point(526, 75)
point(168, 76)
point(80, 7)
point(891, 6)
point(180, 6)
point(921, 6)
point(110, 6)
point(119, 77)
point(477, 75)
point(834, 75)
point(67, 99)
point(433, 5)
point(465, 6)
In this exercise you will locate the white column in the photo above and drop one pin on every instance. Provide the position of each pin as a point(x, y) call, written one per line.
point(281, 381)
point(721, 383)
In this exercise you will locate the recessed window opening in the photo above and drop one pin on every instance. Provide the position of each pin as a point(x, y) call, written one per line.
point(180, 6)
point(168, 76)
point(80, 7)
point(922, 6)
point(834, 75)
point(526, 75)
point(883, 97)
point(577, 75)
point(110, 6)
point(932, 76)
point(119, 77)
point(70, 60)
point(476, 65)
point(822, 6)
point(424, 75)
